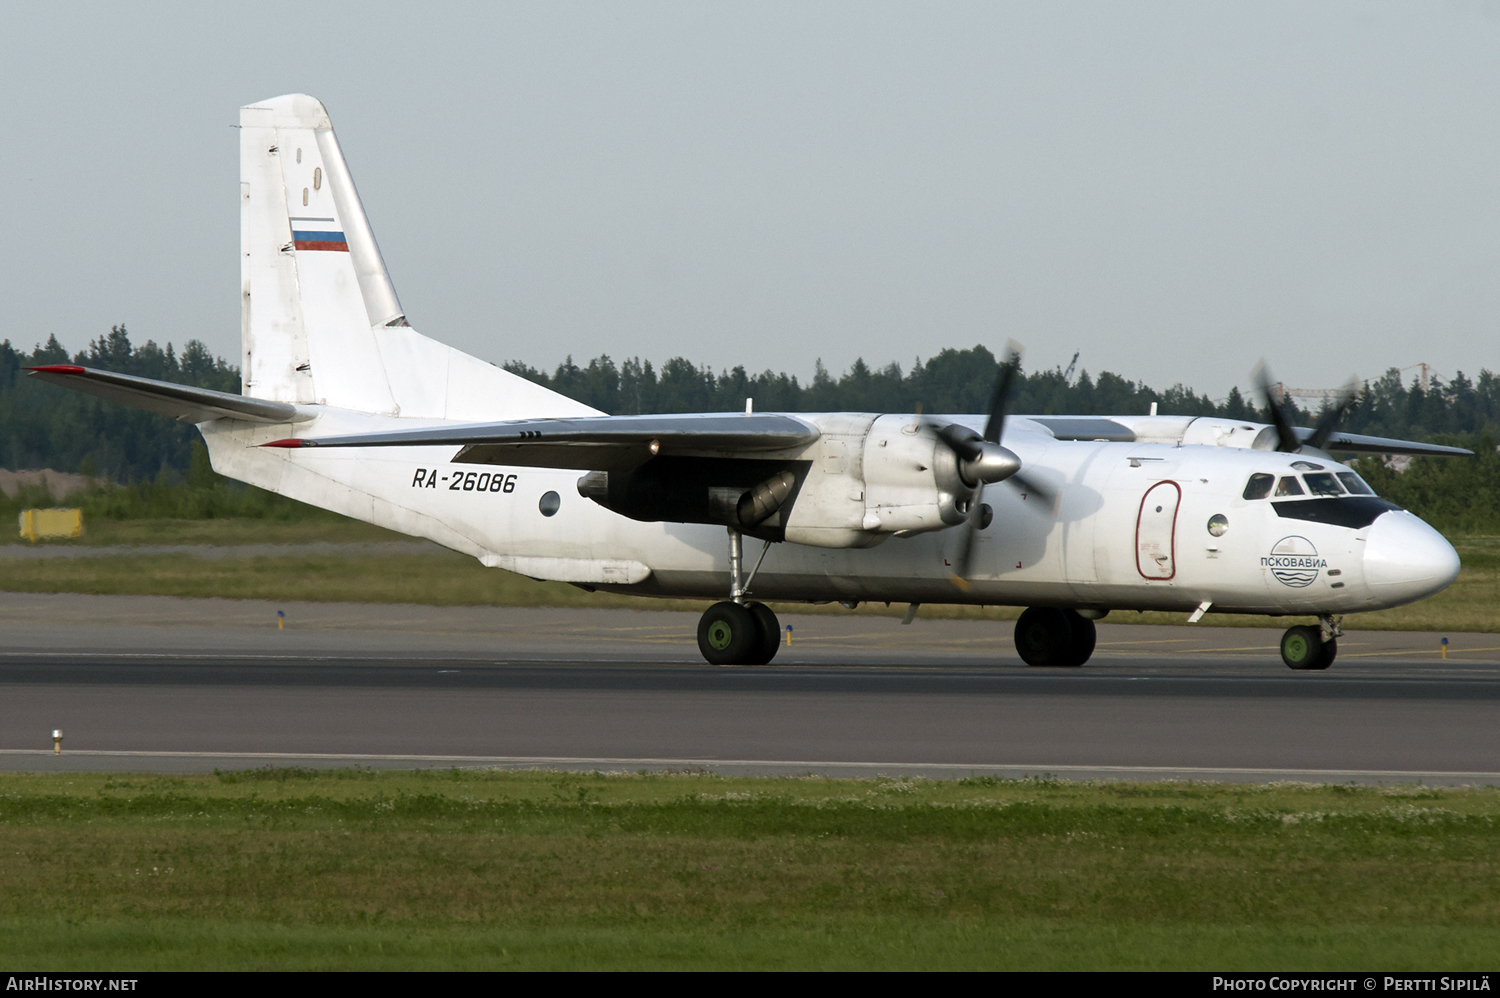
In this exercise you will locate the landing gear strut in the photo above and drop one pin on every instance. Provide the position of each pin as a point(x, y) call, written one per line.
point(1046, 636)
point(1308, 648)
point(739, 631)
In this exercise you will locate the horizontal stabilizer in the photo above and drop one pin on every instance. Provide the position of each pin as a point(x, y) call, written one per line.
point(1360, 444)
point(191, 405)
point(590, 443)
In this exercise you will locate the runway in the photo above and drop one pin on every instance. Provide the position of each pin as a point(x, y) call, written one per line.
point(152, 683)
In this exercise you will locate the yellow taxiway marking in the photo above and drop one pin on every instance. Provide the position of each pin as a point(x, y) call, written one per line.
point(1198, 651)
point(1203, 651)
point(1418, 651)
point(1152, 641)
point(924, 641)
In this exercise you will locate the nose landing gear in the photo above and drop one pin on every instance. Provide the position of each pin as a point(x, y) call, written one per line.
point(738, 631)
point(1309, 649)
point(1046, 636)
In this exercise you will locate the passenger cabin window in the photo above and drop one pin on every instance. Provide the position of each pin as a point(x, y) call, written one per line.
point(1289, 486)
point(1355, 484)
point(1323, 484)
point(1259, 486)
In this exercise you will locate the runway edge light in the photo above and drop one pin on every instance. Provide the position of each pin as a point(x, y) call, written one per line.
point(57, 741)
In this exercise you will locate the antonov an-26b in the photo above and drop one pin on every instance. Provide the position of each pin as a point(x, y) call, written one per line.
point(346, 407)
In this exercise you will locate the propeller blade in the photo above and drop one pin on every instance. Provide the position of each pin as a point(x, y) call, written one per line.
point(1286, 437)
point(1032, 486)
point(1333, 416)
point(1000, 397)
point(968, 536)
point(983, 460)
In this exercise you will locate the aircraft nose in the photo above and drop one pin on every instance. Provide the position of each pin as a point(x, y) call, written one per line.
point(1405, 559)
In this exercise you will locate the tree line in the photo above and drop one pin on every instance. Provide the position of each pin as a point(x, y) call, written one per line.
point(43, 426)
point(960, 381)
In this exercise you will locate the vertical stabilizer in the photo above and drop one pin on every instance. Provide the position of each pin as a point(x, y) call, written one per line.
point(321, 322)
point(311, 257)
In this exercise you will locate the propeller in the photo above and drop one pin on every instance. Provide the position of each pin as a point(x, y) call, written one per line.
point(1287, 439)
point(1286, 436)
point(982, 460)
point(1333, 416)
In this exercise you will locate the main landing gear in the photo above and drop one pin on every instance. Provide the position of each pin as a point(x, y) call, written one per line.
point(1311, 648)
point(1046, 636)
point(739, 631)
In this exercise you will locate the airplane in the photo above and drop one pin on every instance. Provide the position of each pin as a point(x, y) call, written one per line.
point(345, 406)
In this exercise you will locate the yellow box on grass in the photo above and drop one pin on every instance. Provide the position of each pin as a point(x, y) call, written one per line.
point(37, 523)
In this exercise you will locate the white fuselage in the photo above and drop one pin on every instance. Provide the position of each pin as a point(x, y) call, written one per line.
point(1130, 528)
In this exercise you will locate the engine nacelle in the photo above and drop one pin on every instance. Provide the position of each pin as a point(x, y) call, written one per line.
point(748, 495)
point(913, 480)
point(865, 479)
point(873, 477)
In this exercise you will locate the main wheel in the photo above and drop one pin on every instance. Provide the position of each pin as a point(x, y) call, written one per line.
point(1044, 636)
point(1330, 652)
point(1303, 648)
point(767, 634)
point(727, 634)
point(1084, 637)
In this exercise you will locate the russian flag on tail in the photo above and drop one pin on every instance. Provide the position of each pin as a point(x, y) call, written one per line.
point(318, 234)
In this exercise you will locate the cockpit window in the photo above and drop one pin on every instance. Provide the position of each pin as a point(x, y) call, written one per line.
point(1355, 484)
point(1259, 486)
point(1323, 484)
point(1289, 486)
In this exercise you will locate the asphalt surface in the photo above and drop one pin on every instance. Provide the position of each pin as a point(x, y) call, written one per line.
point(162, 684)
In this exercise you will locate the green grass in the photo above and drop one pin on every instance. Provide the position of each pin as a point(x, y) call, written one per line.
point(449, 579)
point(481, 870)
point(221, 532)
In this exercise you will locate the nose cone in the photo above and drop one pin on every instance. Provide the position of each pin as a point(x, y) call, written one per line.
point(1405, 559)
point(993, 463)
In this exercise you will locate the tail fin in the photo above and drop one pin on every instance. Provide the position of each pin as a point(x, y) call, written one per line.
point(320, 320)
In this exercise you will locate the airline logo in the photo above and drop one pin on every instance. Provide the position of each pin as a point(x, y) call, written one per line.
point(1294, 561)
point(318, 234)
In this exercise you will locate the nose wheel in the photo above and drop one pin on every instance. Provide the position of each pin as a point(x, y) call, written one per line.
point(1303, 648)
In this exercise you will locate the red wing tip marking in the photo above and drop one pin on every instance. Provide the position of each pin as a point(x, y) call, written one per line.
point(289, 442)
point(58, 369)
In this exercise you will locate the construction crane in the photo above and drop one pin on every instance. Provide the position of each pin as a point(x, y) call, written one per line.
point(1425, 380)
point(1311, 393)
point(1072, 365)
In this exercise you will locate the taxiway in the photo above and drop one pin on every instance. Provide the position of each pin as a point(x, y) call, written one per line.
point(154, 683)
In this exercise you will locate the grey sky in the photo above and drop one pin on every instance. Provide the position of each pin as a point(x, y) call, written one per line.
point(1173, 189)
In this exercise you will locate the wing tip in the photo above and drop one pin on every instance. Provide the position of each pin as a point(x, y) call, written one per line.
point(289, 442)
point(58, 369)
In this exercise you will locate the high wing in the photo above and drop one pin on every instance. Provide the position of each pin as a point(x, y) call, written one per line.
point(599, 442)
point(1163, 429)
point(1361, 444)
point(183, 402)
point(592, 443)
